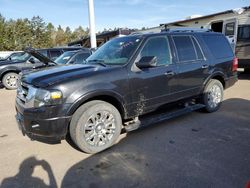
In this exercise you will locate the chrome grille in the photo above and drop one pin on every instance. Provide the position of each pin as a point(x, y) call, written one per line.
point(26, 94)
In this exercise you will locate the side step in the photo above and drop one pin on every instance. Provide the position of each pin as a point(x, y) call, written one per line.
point(156, 118)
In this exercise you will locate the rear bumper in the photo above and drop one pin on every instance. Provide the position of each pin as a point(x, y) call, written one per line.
point(229, 82)
point(38, 125)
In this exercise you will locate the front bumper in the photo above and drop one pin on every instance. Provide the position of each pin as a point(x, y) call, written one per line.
point(42, 124)
point(231, 81)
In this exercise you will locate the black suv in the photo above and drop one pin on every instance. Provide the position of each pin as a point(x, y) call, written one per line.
point(122, 81)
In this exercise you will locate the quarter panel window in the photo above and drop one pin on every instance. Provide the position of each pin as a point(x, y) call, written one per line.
point(158, 47)
point(185, 48)
point(219, 46)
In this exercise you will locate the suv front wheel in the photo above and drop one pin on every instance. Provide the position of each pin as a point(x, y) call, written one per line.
point(95, 126)
point(213, 95)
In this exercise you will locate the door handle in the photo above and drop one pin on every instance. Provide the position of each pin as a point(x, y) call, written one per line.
point(204, 66)
point(170, 73)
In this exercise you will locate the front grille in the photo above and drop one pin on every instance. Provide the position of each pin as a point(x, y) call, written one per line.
point(26, 94)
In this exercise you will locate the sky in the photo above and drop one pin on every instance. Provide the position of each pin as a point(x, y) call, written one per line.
point(114, 13)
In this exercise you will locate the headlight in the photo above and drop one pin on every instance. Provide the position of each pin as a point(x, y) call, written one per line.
point(46, 98)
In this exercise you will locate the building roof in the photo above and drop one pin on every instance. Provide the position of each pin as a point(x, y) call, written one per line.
point(203, 17)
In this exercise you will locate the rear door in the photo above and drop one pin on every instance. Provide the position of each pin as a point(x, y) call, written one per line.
point(192, 66)
point(230, 30)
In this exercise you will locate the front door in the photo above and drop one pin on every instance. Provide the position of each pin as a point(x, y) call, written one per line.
point(230, 29)
point(151, 87)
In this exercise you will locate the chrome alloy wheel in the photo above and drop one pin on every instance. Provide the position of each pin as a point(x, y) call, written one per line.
point(214, 96)
point(99, 128)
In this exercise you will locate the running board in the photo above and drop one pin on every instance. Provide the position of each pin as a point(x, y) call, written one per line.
point(157, 118)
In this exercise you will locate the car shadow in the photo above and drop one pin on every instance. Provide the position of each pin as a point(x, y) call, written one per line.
point(24, 177)
point(197, 150)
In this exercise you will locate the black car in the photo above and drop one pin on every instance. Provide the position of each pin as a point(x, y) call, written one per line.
point(125, 79)
point(74, 57)
point(54, 53)
point(21, 61)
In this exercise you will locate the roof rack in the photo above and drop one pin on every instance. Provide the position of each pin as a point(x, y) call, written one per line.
point(180, 30)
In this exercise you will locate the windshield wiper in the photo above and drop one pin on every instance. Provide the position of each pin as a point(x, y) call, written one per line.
point(97, 61)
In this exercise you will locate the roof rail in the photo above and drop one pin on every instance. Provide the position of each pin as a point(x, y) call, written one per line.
point(180, 30)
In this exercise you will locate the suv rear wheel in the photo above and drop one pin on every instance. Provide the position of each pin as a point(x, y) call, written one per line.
point(10, 80)
point(95, 126)
point(213, 95)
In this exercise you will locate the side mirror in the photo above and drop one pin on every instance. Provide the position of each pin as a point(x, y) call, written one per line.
point(147, 62)
point(32, 60)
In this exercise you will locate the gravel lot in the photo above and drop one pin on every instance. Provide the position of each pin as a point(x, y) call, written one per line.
point(195, 150)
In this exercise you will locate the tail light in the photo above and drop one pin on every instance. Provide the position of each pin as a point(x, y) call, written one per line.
point(235, 64)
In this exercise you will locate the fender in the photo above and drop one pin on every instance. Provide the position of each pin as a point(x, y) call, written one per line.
point(99, 94)
point(9, 69)
point(216, 73)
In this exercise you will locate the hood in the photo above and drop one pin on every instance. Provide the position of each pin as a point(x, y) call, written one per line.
point(40, 56)
point(57, 74)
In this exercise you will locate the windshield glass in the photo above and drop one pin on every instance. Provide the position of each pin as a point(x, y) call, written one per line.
point(64, 58)
point(22, 56)
point(116, 52)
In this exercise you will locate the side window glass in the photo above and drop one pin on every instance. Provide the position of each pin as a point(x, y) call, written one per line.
point(54, 54)
point(185, 48)
point(229, 31)
point(158, 47)
point(198, 50)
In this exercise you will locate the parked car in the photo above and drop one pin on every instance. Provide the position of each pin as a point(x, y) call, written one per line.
point(122, 81)
point(74, 57)
point(54, 53)
point(5, 55)
point(18, 62)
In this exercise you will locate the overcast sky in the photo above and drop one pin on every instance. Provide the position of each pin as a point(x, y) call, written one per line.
point(115, 13)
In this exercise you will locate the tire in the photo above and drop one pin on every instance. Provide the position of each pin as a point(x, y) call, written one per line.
point(10, 80)
point(213, 95)
point(89, 119)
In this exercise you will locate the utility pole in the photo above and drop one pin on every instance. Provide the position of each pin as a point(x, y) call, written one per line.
point(92, 24)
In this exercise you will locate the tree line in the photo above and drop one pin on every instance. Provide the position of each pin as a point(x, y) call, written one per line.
point(36, 33)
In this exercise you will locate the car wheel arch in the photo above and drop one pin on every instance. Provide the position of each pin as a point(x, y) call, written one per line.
point(107, 96)
point(217, 76)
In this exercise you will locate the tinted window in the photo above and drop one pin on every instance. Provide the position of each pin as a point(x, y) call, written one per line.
point(218, 45)
point(229, 29)
point(79, 58)
point(43, 52)
point(55, 53)
point(185, 48)
point(158, 47)
point(244, 32)
point(198, 49)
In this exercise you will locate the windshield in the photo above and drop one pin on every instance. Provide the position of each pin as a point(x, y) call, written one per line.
point(22, 56)
point(64, 58)
point(116, 52)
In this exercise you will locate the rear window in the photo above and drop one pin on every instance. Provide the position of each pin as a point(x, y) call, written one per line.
point(218, 45)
